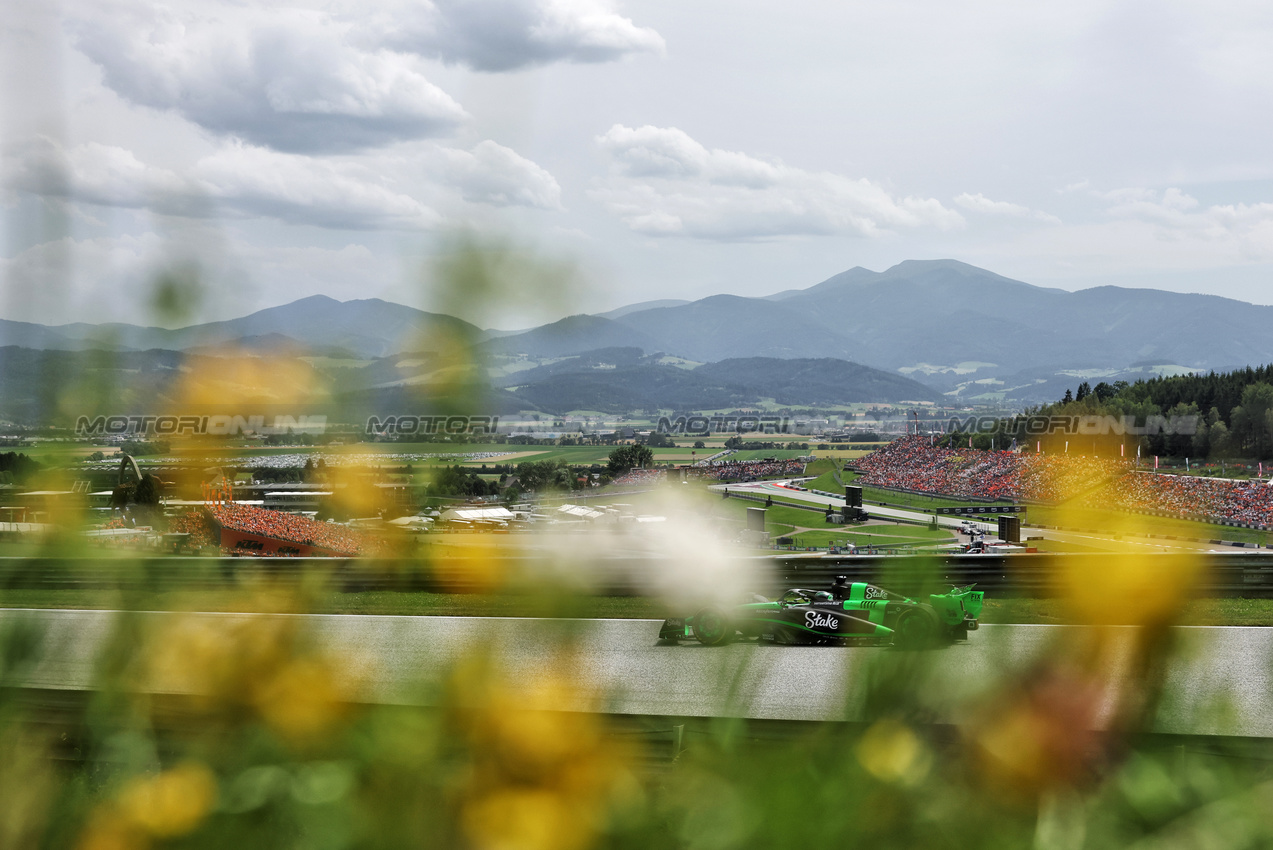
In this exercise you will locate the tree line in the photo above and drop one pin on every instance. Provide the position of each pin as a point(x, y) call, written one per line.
point(1233, 412)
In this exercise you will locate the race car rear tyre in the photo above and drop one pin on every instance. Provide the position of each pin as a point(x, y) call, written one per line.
point(916, 628)
point(711, 626)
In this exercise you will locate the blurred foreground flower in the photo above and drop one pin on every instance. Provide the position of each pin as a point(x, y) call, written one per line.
point(254, 665)
point(891, 751)
point(1135, 585)
point(473, 564)
point(147, 808)
point(544, 773)
point(1041, 736)
point(1070, 718)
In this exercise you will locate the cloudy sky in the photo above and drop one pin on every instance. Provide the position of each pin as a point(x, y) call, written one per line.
point(663, 149)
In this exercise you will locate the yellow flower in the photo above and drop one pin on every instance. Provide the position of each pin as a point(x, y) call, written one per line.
point(892, 752)
point(216, 659)
point(544, 772)
point(169, 805)
point(302, 700)
point(108, 830)
point(472, 564)
point(1125, 588)
point(172, 803)
point(525, 819)
point(1044, 736)
point(243, 376)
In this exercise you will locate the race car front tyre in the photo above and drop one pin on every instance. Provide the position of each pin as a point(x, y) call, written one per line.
point(916, 628)
point(711, 626)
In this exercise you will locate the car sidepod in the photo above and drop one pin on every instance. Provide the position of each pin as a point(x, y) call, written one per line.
point(862, 613)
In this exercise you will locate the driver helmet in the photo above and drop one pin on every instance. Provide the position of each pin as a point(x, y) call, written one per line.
point(822, 596)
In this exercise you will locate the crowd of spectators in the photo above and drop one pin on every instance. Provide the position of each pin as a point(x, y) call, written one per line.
point(641, 476)
point(1190, 496)
point(914, 463)
point(195, 524)
point(1055, 478)
point(295, 528)
point(748, 470)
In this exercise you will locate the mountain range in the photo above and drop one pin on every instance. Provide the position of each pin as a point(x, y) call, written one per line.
point(956, 329)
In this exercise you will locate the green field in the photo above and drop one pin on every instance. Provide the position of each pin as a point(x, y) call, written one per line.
point(875, 535)
point(1094, 518)
point(826, 482)
point(774, 515)
point(763, 454)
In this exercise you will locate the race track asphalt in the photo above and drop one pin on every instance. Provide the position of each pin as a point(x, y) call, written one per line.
point(1218, 681)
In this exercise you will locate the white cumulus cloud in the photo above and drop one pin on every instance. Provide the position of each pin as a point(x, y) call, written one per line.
point(289, 79)
point(979, 203)
point(493, 174)
point(247, 181)
point(663, 182)
point(239, 180)
point(505, 35)
point(258, 182)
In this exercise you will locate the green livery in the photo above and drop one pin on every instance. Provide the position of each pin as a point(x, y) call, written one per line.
point(857, 612)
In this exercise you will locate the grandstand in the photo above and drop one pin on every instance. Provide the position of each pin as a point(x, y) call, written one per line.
point(1189, 497)
point(913, 464)
point(248, 530)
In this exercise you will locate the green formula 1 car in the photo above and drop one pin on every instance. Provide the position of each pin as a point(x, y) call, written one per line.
point(857, 612)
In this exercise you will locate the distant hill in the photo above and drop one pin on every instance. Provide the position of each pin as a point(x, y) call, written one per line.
point(647, 384)
point(644, 305)
point(806, 382)
point(58, 386)
point(589, 362)
point(369, 328)
point(963, 331)
point(725, 326)
point(30, 335)
point(571, 335)
point(948, 324)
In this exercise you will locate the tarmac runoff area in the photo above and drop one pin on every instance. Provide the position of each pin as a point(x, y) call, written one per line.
point(1217, 683)
point(784, 490)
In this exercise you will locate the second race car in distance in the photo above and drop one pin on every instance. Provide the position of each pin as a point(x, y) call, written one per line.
point(849, 612)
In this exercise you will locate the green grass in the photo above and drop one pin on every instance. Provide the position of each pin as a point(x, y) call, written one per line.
point(875, 535)
point(379, 602)
point(822, 467)
point(1094, 518)
point(824, 539)
point(826, 482)
point(1063, 546)
point(762, 454)
point(1196, 612)
point(776, 514)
